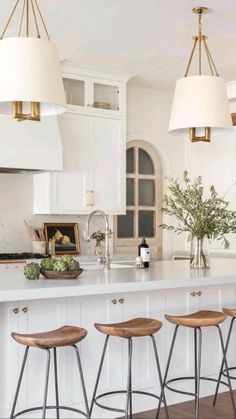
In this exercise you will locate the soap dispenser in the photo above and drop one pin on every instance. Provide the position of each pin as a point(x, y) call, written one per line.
point(144, 252)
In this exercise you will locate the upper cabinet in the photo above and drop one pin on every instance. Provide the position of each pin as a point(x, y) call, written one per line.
point(94, 144)
point(95, 92)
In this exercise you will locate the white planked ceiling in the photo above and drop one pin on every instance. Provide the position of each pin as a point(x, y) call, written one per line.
point(149, 38)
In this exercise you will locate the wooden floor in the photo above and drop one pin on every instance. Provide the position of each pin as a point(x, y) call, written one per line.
point(222, 410)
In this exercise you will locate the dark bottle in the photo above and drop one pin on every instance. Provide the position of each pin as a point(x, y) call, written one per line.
point(144, 252)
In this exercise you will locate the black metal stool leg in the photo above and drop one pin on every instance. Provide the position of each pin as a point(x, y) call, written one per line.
point(56, 382)
point(99, 374)
point(128, 409)
point(162, 394)
point(222, 364)
point(46, 384)
point(197, 378)
point(82, 379)
point(168, 366)
point(227, 370)
point(19, 382)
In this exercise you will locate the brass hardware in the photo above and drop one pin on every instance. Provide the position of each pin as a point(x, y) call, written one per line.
point(17, 111)
point(196, 294)
point(25, 309)
point(121, 300)
point(15, 310)
point(114, 301)
point(200, 10)
point(206, 137)
point(89, 198)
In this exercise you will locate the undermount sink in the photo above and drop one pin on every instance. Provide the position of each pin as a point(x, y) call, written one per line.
point(114, 265)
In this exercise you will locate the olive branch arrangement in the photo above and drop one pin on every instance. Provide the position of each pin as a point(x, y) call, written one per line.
point(99, 236)
point(198, 215)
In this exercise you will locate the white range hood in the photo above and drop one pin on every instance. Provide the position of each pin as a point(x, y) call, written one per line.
point(30, 146)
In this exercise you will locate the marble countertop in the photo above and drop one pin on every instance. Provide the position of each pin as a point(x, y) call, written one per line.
point(162, 275)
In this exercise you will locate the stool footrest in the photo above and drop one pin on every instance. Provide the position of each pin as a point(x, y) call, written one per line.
point(33, 409)
point(175, 380)
point(232, 377)
point(110, 393)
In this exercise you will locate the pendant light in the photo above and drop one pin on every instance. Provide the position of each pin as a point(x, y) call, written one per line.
point(31, 83)
point(200, 102)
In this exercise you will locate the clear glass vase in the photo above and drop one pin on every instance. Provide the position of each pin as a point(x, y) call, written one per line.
point(200, 257)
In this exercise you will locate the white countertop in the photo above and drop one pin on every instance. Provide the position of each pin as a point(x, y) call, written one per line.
point(162, 276)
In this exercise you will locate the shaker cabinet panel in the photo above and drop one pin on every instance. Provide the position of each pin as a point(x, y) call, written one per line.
point(94, 168)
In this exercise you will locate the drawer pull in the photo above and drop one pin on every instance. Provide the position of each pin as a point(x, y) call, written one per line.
point(121, 300)
point(114, 301)
point(15, 310)
point(199, 293)
point(25, 309)
point(193, 294)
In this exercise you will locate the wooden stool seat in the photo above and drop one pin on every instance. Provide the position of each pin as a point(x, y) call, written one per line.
point(230, 311)
point(202, 318)
point(64, 336)
point(131, 328)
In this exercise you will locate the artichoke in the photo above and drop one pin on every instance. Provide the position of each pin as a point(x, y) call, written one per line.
point(73, 265)
point(48, 264)
point(32, 270)
point(66, 258)
point(60, 265)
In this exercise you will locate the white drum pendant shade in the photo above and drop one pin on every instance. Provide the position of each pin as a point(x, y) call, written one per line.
point(30, 72)
point(200, 101)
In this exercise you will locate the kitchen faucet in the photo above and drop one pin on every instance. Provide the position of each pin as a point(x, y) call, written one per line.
point(106, 261)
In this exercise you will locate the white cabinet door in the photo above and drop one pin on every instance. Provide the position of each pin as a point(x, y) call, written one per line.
point(9, 355)
point(94, 167)
point(107, 165)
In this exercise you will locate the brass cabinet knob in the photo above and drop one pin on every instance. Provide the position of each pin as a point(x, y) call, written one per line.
point(15, 310)
point(199, 293)
point(121, 300)
point(114, 301)
point(25, 309)
point(193, 294)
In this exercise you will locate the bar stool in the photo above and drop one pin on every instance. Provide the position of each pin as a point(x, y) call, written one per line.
point(129, 329)
point(231, 312)
point(197, 321)
point(64, 336)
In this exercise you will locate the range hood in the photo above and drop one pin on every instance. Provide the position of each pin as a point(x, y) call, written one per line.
point(29, 147)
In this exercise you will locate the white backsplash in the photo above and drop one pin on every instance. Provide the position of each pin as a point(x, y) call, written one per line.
point(16, 197)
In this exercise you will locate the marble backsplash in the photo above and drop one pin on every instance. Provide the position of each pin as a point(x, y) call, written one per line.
point(16, 198)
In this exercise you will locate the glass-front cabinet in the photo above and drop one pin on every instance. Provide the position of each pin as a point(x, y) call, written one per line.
point(94, 95)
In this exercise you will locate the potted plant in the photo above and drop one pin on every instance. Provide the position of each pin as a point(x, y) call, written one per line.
point(202, 217)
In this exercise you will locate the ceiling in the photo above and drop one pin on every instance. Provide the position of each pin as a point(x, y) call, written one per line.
point(151, 39)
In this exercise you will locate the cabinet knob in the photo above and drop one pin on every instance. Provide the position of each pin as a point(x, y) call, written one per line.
point(15, 310)
point(25, 309)
point(121, 300)
point(114, 301)
point(196, 293)
point(193, 294)
point(199, 293)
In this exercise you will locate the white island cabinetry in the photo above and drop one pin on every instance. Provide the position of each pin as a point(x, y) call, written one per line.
point(107, 297)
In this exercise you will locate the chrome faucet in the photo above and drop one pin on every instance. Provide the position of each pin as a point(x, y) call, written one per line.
point(106, 261)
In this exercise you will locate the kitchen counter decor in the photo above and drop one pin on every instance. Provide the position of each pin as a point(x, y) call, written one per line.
point(202, 217)
point(65, 267)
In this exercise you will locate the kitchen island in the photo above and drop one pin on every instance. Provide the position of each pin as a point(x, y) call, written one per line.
point(111, 296)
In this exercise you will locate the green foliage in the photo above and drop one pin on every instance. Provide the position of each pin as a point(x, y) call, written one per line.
point(196, 214)
point(47, 264)
point(32, 270)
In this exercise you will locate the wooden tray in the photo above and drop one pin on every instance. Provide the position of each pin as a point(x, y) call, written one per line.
point(61, 275)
